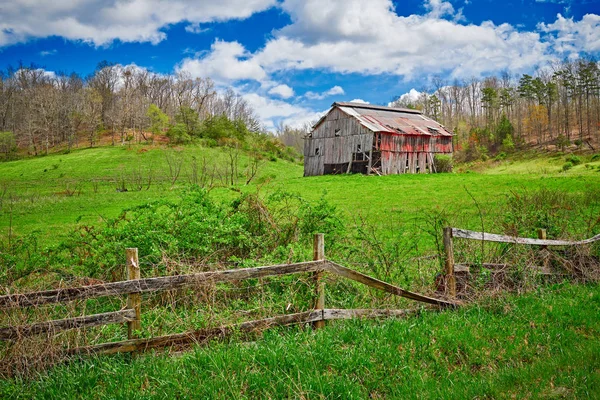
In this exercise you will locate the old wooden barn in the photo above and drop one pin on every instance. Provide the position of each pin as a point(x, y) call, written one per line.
point(364, 138)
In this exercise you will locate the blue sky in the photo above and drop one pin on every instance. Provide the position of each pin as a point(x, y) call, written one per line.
point(291, 59)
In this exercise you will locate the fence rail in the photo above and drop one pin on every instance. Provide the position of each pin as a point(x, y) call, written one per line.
point(451, 268)
point(492, 237)
point(134, 287)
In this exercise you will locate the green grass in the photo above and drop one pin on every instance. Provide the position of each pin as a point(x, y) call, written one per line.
point(40, 204)
point(541, 345)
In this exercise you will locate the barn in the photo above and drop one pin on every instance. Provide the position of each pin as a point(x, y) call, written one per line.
point(370, 139)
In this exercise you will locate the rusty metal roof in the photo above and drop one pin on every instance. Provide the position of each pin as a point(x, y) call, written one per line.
point(398, 121)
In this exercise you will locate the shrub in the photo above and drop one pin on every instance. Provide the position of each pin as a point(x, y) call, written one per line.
point(596, 157)
point(567, 166)
point(501, 156)
point(573, 159)
point(443, 163)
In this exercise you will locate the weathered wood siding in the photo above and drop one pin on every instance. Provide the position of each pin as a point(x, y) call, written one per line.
point(411, 154)
point(334, 149)
point(339, 135)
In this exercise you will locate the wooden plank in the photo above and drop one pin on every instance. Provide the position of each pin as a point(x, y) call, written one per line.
point(492, 237)
point(202, 336)
point(386, 287)
point(134, 300)
point(199, 336)
point(154, 284)
point(17, 332)
point(331, 314)
point(318, 255)
point(449, 262)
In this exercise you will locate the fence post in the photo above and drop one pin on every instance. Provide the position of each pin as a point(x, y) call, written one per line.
point(319, 254)
point(449, 263)
point(134, 300)
point(542, 235)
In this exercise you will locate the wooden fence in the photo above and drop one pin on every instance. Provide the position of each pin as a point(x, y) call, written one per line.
point(450, 233)
point(134, 286)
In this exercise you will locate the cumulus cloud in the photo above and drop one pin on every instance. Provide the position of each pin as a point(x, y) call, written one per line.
point(271, 111)
point(225, 62)
point(347, 37)
point(334, 91)
point(574, 36)
point(411, 96)
point(102, 21)
point(283, 91)
point(361, 101)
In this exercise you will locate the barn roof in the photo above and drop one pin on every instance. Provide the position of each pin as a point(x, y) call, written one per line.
point(400, 121)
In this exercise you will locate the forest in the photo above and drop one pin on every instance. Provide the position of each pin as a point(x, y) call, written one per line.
point(556, 107)
point(42, 111)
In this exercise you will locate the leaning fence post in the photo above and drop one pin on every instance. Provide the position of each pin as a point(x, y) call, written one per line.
point(318, 255)
point(134, 300)
point(449, 263)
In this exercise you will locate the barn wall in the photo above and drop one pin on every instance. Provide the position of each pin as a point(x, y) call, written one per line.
point(334, 149)
point(411, 153)
point(399, 153)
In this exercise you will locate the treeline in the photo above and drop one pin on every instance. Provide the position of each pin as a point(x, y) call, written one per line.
point(41, 111)
point(558, 106)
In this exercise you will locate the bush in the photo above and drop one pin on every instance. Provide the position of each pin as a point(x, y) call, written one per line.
point(596, 157)
point(501, 156)
point(443, 163)
point(567, 166)
point(573, 159)
point(197, 228)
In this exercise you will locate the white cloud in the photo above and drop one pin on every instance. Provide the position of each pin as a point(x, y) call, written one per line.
point(271, 111)
point(411, 96)
point(347, 37)
point(101, 22)
point(283, 91)
point(226, 62)
point(45, 53)
point(334, 91)
point(573, 37)
point(361, 101)
point(439, 8)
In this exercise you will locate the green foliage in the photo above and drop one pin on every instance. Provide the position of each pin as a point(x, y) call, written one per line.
point(8, 145)
point(508, 145)
point(504, 134)
point(220, 127)
point(158, 119)
point(178, 134)
point(188, 120)
point(196, 227)
point(567, 166)
point(573, 159)
point(559, 212)
point(562, 141)
point(443, 163)
point(595, 157)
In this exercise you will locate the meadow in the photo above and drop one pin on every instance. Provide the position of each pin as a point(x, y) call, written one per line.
point(541, 342)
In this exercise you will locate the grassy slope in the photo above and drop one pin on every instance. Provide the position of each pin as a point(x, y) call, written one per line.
point(539, 345)
point(389, 201)
point(544, 344)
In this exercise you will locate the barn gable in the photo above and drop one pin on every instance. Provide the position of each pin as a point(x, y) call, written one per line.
point(364, 138)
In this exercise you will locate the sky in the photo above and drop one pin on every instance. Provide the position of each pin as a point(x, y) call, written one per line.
point(291, 59)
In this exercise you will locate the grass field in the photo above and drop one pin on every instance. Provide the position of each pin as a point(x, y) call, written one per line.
point(36, 193)
point(543, 344)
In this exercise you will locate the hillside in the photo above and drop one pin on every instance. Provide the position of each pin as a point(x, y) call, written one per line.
point(62, 223)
